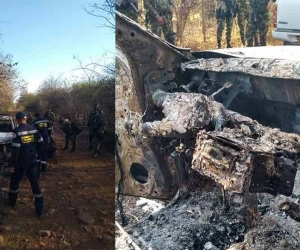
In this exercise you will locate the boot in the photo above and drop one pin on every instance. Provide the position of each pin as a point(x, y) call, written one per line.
point(12, 200)
point(39, 206)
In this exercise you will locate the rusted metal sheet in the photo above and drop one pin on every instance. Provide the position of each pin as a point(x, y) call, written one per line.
point(264, 67)
point(278, 90)
point(237, 168)
point(226, 162)
point(140, 174)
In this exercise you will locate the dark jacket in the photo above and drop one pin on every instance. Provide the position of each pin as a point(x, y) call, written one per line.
point(70, 128)
point(95, 120)
point(26, 143)
point(43, 126)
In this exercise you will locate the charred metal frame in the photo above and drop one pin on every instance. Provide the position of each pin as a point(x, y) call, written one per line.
point(145, 63)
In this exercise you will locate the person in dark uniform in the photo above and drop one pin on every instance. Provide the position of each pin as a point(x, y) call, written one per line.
point(95, 124)
point(128, 8)
point(71, 130)
point(50, 116)
point(42, 125)
point(26, 143)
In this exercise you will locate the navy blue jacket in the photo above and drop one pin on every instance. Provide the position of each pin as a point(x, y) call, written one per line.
point(26, 143)
point(43, 126)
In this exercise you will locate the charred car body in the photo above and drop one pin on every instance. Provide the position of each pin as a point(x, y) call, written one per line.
point(217, 112)
point(6, 127)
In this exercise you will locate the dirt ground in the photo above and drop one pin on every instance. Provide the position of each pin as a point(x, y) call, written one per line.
point(78, 194)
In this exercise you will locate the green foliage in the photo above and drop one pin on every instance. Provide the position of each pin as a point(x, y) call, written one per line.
point(72, 100)
point(29, 102)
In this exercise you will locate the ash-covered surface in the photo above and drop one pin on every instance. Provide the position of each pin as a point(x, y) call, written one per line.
point(261, 138)
point(276, 229)
point(267, 236)
point(193, 112)
point(190, 114)
point(201, 222)
point(121, 241)
point(135, 209)
point(183, 112)
point(258, 67)
point(196, 222)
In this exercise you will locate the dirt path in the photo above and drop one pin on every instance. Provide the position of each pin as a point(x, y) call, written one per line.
point(79, 204)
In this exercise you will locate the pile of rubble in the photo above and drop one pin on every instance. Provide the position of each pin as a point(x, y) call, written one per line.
point(201, 221)
point(239, 155)
point(195, 222)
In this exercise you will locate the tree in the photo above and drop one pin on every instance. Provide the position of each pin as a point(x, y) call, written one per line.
point(29, 102)
point(10, 82)
point(182, 12)
point(105, 11)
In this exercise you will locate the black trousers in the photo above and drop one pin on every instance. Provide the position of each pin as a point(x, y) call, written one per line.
point(95, 133)
point(32, 174)
point(72, 138)
point(42, 158)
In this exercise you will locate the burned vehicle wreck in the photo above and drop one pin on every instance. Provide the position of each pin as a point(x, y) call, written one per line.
point(229, 115)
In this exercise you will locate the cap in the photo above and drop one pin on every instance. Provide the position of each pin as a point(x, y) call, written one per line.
point(20, 115)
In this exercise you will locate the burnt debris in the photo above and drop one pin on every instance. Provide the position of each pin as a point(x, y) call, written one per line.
point(232, 149)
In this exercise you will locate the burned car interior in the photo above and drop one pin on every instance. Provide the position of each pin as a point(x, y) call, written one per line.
point(232, 118)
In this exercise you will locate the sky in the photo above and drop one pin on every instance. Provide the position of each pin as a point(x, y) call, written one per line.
point(44, 35)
